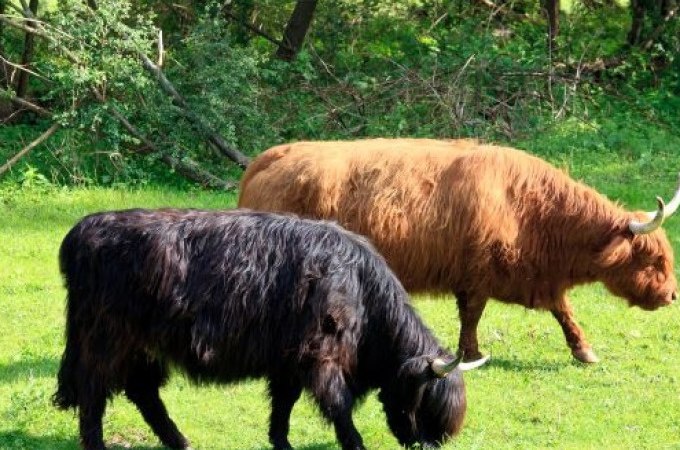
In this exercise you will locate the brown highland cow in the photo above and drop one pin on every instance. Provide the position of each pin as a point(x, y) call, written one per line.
point(478, 220)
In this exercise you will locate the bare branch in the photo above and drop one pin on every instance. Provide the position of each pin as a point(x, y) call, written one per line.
point(16, 8)
point(39, 110)
point(159, 63)
point(22, 68)
point(255, 30)
point(213, 137)
point(502, 9)
point(21, 26)
point(656, 32)
point(24, 151)
point(186, 167)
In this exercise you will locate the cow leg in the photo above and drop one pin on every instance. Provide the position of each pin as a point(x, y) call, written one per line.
point(284, 394)
point(92, 403)
point(335, 399)
point(470, 309)
point(141, 389)
point(580, 348)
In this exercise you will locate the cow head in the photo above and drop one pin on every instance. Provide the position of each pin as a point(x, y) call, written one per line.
point(426, 403)
point(638, 259)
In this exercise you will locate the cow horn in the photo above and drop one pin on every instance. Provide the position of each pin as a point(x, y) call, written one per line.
point(442, 368)
point(656, 219)
point(673, 205)
point(473, 364)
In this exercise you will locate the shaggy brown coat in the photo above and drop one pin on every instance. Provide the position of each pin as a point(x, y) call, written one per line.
point(479, 220)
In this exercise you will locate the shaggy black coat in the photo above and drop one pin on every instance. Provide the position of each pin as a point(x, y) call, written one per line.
point(230, 295)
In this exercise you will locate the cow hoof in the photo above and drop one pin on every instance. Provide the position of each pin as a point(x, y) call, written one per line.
point(585, 355)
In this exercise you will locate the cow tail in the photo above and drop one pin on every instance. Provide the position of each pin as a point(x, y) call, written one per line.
point(67, 384)
point(66, 395)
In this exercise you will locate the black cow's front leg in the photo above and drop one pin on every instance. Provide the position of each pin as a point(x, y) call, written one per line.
point(92, 402)
point(142, 389)
point(336, 400)
point(284, 394)
point(470, 309)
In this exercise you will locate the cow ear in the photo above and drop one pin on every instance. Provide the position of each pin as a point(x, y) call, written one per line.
point(416, 369)
point(618, 250)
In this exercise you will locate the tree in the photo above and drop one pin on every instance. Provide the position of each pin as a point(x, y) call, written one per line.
point(553, 11)
point(296, 29)
point(3, 66)
point(29, 49)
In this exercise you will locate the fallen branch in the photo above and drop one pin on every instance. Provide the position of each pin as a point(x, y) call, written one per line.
point(214, 138)
point(19, 67)
point(39, 110)
point(24, 151)
point(255, 30)
point(187, 167)
point(20, 26)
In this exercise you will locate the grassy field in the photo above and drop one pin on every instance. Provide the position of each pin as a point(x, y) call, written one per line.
point(531, 394)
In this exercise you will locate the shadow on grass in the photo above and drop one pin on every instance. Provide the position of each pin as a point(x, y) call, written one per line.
point(326, 446)
point(515, 365)
point(17, 439)
point(41, 366)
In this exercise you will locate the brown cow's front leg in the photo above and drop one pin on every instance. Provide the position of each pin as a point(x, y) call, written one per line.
point(470, 309)
point(580, 348)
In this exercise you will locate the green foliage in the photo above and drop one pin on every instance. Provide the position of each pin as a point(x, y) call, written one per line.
point(220, 82)
point(427, 68)
point(99, 50)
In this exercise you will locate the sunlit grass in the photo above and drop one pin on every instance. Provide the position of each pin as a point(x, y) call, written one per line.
point(531, 394)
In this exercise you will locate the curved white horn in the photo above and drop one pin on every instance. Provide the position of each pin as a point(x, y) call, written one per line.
point(442, 368)
point(656, 219)
point(673, 205)
point(473, 364)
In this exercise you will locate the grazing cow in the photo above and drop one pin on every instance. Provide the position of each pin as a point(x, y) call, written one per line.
point(478, 220)
point(232, 295)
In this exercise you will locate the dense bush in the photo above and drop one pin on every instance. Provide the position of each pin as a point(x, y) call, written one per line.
point(369, 68)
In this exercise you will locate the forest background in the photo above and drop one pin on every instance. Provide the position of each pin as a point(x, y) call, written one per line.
point(184, 93)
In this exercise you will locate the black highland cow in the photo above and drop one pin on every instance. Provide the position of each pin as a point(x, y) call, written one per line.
point(231, 295)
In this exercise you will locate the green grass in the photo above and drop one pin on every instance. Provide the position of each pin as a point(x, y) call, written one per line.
point(531, 394)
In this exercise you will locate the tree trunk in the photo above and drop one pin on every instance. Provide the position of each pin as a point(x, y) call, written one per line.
point(4, 70)
point(637, 9)
point(553, 10)
point(296, 29)
point(27, 57)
